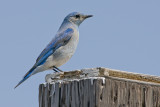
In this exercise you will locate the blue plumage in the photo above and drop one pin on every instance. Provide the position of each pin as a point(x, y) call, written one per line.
point(58, 42)
point(61, 48)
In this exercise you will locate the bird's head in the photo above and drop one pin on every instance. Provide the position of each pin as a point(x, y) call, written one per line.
point(76, 18)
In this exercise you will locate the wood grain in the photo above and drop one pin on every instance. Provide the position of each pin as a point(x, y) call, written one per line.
point(97, 91)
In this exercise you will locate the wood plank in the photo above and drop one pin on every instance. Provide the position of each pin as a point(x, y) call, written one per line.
point(99, 87)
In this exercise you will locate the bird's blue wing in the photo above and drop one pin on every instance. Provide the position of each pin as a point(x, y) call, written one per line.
point(59, 41)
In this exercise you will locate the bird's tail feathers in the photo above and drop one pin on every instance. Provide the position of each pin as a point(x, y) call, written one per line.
point(26, 76)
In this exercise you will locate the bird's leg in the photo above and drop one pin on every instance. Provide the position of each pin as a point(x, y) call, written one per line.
point(55, 68)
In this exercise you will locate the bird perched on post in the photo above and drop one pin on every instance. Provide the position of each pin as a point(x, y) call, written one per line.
point(61, 48)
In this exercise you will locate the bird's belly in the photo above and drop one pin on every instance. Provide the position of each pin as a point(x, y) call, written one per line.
point(63, 54)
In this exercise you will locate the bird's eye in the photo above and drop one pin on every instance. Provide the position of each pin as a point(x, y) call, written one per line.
point(77, 16)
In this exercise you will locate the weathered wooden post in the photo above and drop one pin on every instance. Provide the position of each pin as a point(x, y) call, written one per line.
point(99, 87)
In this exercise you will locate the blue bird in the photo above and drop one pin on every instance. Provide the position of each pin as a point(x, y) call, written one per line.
point(61, 48)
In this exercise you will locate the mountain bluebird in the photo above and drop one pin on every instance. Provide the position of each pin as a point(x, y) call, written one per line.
point(61, 48)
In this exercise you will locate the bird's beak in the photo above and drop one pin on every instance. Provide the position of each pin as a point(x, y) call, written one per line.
point(87, 16)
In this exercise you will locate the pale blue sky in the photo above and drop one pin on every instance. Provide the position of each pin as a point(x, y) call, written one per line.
point(123, 34)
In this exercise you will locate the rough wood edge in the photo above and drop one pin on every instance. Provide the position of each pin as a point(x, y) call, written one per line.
point(102, 72)
point(131, 75)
